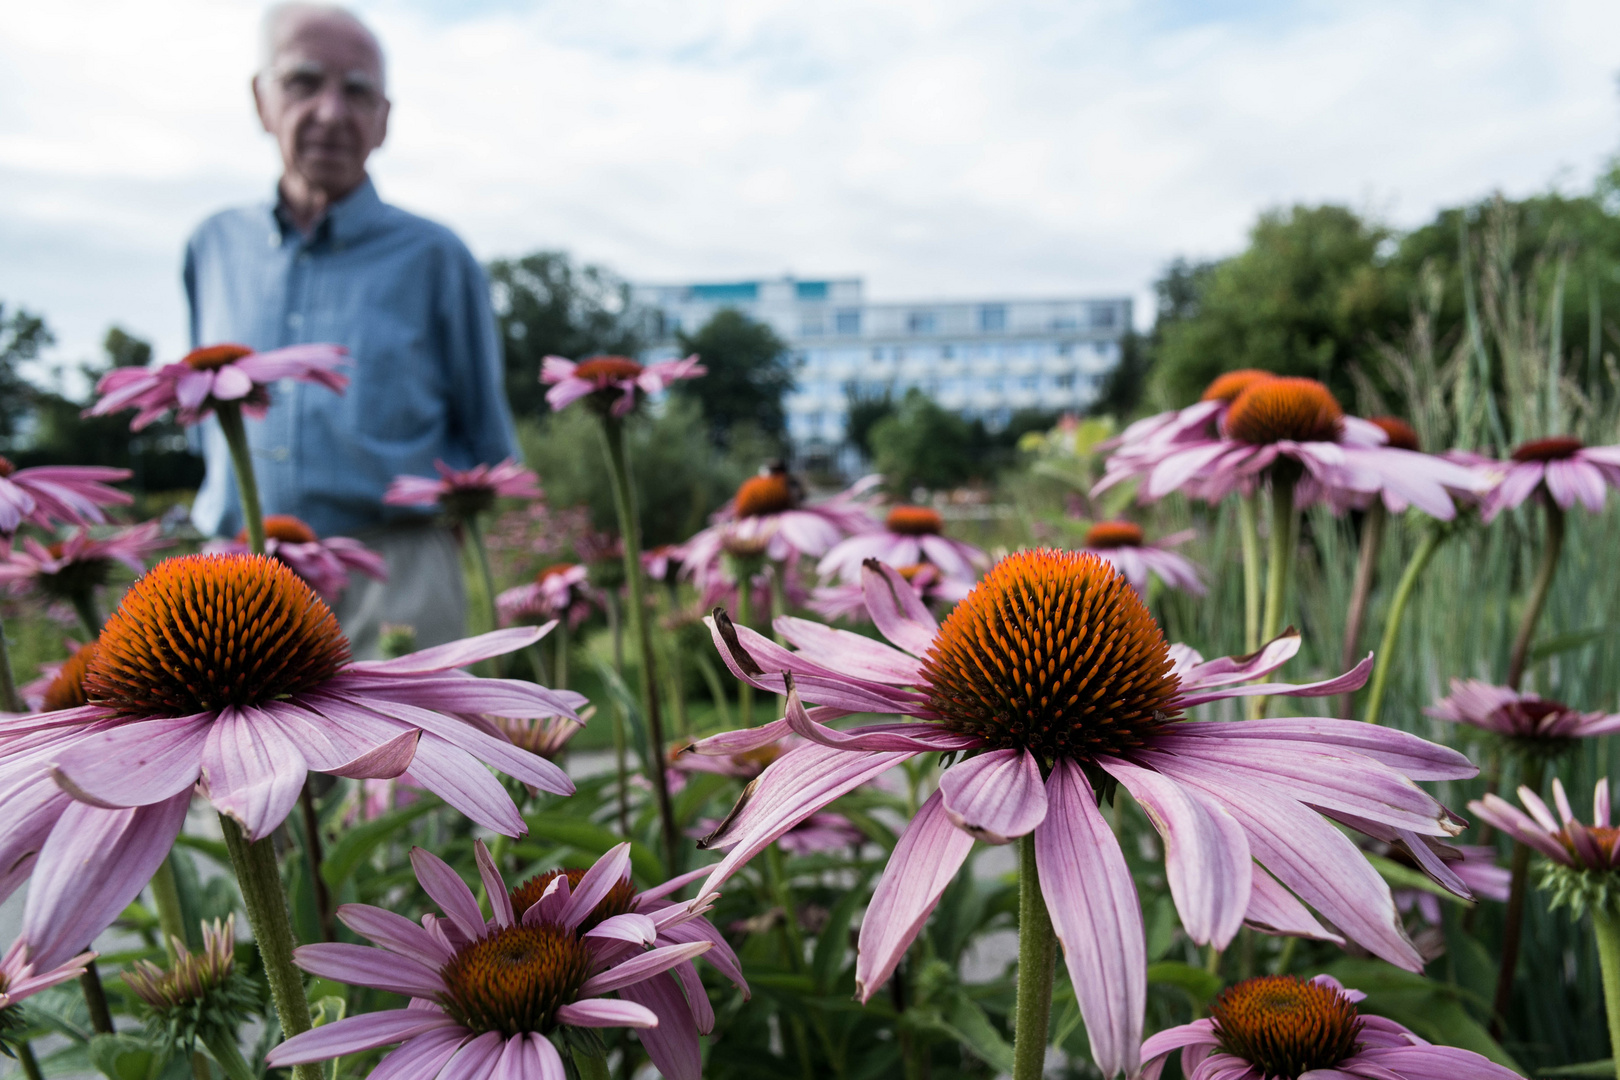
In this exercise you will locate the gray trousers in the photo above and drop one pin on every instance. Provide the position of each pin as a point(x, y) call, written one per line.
point(424, 590)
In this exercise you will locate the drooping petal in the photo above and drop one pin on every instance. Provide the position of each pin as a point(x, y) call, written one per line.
point(632, 927)
point(353, 1034)
point(1273, 909)
point(997, 796)
point(396, 932)
point(607, 1012)
point(896, 609)
point(612, 868)
point(643, 966)
point(254, 771)
point(457, 654)
point(500, 901)
point(423, 1056)
point(446, 889)
point(842, 650)
point(1409, 754)
point(362, 965)
point(135, 764)
point(925, 860)
point(673, 1044)
point(1098, 919)
point(460, 780)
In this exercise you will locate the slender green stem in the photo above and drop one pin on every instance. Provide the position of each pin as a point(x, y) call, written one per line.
point(537, 658)
point(312, 849)
point(29, 1063)
point(1392, 622)
point(561, 634)
point(610, 604)
point(225, 1051)
point(266, 903)
point(1249, 536)
point(1606, 928)
point(1279, 569)
point(745, 692)
point(590, 1066)
point(84, 604)
point(1513, 926)
point(166, 897)
point(624, 498)
point(1372, 542)
point(247, 487)
point(10, 699)
point(1551, 548)
point(200, 1068)
point(1037, 964)
point(486, 580)
point(96, 999)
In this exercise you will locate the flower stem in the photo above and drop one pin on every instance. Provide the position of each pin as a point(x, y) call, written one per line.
point(745, 691)
point(29, 1063)
point(96, 999)
point(84, 604)
point(486, 580)
point(1372, 542)
point(1392, 622)
point(1513, 925)
point(247, 488)
point(166, 897)
point(1606, 928)
point(266, 903)
point(1249, 536)
point(1037, 963)
point(630, 532)
point(1550, 550)
point(10, 699)
point(228, 1056)
point(312, 849)
point(610, 604)
point(1279, 571)
point(561, 634)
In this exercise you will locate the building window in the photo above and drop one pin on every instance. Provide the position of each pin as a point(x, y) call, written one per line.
point(920, 322)
point(811, 326)
point(1066, 381)
point(1103, 316)
point(877, 352)
point(847, 323)
point(993, 318)
point(1064, 322)
point(810, 290)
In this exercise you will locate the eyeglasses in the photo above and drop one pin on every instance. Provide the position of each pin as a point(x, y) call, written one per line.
point(306, 80)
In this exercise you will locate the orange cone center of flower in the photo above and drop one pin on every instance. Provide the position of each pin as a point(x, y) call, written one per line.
point(911, 570)
point(552, 571)
point(513, 979)
point(607, 369)
point(1605, 836)
point(1554, 449)
point(1300, 410)
point(619, 900)
point(1053, 652)
point(914, 521)
point(1402, 436)
point(6, 467)
point(762, 495)
point(1285, 1026)
point(287, 529)
point(202, 632)
point(1228, 386)
point(214, 357)
point(67, 689)
point(1113, 534)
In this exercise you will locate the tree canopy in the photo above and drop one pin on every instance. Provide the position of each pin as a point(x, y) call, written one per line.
point(749, 374)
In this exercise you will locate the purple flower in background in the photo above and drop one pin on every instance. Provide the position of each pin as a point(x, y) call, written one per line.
point(910, 535)
point(21, 978)
point(254, 701)
point(1282, 1026)
point(1508, 712)
point(325, 564)
point(768, 518)
point(48, 495)
point(557, 592)
point(1139, 448)
point(1096, 688)
point(465, 492)
point(1474, 866)
point(612, 382)
point(66, 568)
point(847, 600)
point(204, 378)
point(1563, 839)
point(488, 994)
point(1565, 468)
point(1123, 544)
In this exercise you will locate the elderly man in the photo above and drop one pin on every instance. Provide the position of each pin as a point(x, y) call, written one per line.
point(328, 261)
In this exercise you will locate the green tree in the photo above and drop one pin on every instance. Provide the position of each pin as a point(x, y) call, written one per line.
point(22, 335)
point(749, 374)
point(865, 411)
point(547, 306)
point(924, 445)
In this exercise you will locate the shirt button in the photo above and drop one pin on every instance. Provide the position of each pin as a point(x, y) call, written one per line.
point(295, 320)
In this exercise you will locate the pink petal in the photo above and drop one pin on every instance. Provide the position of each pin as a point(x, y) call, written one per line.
point(193, 388)
point(362, 965)
point(1205, 675)
point(607, 1012)
point(254, 771)
point(422, 1057)
point(1197, 1033)
point(919, 737)
point(544, 1063)
point(477, 1058)
point(673, 1044)
point(997, 796)
point(925, 860)
point(1206, 854)
point(500, 901)
point(231, 383)
point(384, 762)
point(446, 889)
point(612, 868)
point(643, 966)
point(1092, 901)
point(1406, 753)
point(353, 1034)
point(1273, 909)
point(135, 764)
point(396, 932)
point(456, 654)
point(457, 777)
point(898, 611)
point(851, 653)
point(632, 926)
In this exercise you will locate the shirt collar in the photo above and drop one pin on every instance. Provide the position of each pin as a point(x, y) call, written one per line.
point(345, 219)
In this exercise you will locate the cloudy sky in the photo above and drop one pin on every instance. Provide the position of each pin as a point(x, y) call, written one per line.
point(950, 148)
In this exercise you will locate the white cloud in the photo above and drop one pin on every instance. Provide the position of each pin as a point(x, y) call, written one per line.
point(954, 147)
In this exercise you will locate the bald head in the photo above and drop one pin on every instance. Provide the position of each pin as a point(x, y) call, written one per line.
point(320, 92)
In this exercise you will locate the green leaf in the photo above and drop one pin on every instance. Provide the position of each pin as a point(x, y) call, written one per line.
point(357, 844)
point(124, 1057)
point(1198, 983)
point(591, 838)
point(1560, 643)
point(833, 942)
point(214, 849)
point(1585, 1068)
point(963, 1020)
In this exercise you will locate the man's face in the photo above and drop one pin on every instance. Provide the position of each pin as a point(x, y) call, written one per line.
point(322, 98)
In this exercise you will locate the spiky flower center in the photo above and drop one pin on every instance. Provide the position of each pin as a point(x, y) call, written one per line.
point(620, 900)
point(513, 979)
point(6, 467)
point(1401, 435)
point(606, 369)
point(914, 521)
point(1285, 1026)
point(214, 357)
point(1227, 387)
point(1113, 534)
point(1052, 652)
point(288, 529)
point(769, 494)
point(1274, 410)
point(67, 689)
point(201, 632)
point(194, 975)
point(1556, 448)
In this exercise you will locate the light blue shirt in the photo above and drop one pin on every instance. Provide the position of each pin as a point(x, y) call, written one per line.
point(412, 306)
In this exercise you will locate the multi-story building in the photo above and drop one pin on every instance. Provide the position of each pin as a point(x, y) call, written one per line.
point(983, 358)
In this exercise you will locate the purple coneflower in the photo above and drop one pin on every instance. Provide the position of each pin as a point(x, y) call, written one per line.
point(847, 600)
point(325, 564)
point(463, 493)
point(557, 592)
point(51, 494)
point(910, 535)
point(1532, 722)
point(72, 569)
point(1279, 1026)
point(205, 378)
point(21, 977)
point(611, 382)
point(1139, 448)
point(1473, 865)
point(488, 994)
point(1565, 468)
point(1052, 672)
point(1125, 547)
point(229, 669)
point(1563, 839)
point(769, 519)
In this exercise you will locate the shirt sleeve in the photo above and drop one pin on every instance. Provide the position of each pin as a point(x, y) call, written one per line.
point(480, 420)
